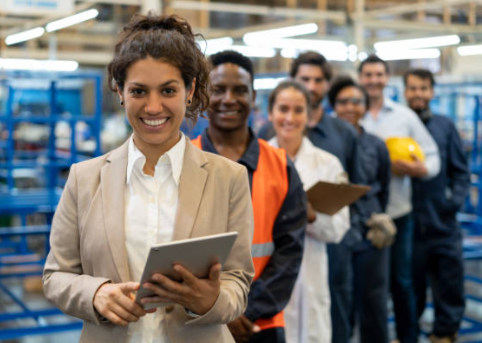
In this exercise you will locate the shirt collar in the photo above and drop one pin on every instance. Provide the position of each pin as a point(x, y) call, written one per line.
point(250, 157)
point(388, 104)
point(321, 126)
point(175, 157)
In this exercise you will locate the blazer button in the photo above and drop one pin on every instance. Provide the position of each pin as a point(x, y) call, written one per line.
point(169, 308)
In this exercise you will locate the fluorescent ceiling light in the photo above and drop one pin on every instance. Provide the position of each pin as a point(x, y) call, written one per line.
point(332, 55)
point(416, 54)
point(470, 50)
point(259, 37)
point(429, 42)
point(72, 20)
point(211, 46)
point(267, 82)
point(306, 44)
point(37, 65)
point(253, 51)
point(362, 56)
point(24, 36)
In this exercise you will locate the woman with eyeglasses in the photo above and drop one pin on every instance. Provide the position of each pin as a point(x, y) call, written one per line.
point(307, 314)
point(370, 256)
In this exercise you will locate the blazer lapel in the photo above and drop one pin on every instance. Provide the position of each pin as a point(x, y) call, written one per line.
point(191, 187)
point(113, 180)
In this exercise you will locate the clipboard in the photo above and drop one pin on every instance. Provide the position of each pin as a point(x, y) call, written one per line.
point(329, 198)
point(195, 254)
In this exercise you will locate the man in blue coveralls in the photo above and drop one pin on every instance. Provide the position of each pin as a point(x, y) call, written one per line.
point(437, 253)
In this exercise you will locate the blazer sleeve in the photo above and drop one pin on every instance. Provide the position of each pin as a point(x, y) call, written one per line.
point(238, 271)
point(63, 279)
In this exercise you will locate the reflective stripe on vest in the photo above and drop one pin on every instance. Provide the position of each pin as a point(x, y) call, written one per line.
point(269, 189)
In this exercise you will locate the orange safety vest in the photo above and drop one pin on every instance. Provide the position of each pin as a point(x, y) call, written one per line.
point(269, 189)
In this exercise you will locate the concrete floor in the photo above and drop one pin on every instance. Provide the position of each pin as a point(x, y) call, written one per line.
point(35, 300)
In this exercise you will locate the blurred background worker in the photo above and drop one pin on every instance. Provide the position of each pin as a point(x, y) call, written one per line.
point(370, 256)
point(437, 250)
point(386, 119)
point(339, 138)
point(279, 201)
point(308, 318)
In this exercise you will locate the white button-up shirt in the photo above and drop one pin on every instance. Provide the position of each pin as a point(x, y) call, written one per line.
point(395, 120)
point(307, 314)
point(150, 210)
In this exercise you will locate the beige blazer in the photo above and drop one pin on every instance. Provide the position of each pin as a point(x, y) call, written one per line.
point(88, 248)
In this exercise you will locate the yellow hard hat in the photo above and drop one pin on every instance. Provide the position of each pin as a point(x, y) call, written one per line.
point(401, 148)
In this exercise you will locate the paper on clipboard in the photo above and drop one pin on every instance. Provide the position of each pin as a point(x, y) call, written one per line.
point(329, 198)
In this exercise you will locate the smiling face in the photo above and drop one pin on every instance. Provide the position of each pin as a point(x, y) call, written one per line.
point(312, 77)
point(350, 105)
point(418, 93)
point(231, 98)
point(289, 114)
point(374, 77)
point(155, 99)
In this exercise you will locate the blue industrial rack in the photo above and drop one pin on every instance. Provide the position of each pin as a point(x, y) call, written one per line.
point(23, 202)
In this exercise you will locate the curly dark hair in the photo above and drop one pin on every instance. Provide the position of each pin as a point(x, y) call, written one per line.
point(166, 38)
point(234, 57)
point(312, 58)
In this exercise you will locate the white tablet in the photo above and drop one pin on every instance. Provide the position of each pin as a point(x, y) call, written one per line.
point(195, 254)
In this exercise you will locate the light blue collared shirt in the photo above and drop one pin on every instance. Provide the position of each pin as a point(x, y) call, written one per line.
point(395, 120)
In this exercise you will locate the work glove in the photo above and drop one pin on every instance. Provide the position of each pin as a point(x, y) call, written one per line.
point(382, 230)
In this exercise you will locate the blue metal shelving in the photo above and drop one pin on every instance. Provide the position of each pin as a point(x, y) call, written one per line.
point(49, 162)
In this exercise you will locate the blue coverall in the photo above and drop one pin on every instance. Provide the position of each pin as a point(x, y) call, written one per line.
point(370, 265)
point(437, 253)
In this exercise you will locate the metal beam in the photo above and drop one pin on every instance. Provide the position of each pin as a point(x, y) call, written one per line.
point(338, 16)
point(41, 22)
point(415, 7)
point(115, 2)
point(404, 25)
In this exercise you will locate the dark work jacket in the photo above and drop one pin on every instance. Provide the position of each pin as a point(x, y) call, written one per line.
point(341, 139)
point(270, 293)
point(376, 162)
point(436, 201)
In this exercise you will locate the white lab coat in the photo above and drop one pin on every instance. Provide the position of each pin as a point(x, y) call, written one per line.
point(307, 315)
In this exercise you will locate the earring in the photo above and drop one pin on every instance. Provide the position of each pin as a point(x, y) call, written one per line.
point(189, 102)
point(122, 102)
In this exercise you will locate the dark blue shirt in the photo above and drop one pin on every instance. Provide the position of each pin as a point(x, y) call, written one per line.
point(341, 139)
point(270, 293)
point(436, 201)
point(377, 167)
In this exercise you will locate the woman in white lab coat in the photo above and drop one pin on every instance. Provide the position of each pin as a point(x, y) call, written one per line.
point(307, 315)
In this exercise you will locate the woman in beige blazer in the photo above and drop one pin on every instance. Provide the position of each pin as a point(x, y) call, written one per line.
point(160, 76)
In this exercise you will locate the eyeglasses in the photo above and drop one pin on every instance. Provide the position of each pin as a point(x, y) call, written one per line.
point(353, 101)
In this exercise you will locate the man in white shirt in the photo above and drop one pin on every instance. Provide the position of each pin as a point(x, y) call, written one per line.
point(385, 119)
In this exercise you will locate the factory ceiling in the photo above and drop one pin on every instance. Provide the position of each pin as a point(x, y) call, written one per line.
point(358, 22)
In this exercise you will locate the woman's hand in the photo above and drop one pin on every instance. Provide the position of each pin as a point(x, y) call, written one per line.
point(115, 302)
point(196, 295)
point(311, 213)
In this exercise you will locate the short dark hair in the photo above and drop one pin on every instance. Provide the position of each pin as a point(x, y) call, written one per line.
point(166, 38)
point(313, 58)
point(424, 74)
point(341, 82)
point(285, 84)
point(234, 57)
point(373, 59)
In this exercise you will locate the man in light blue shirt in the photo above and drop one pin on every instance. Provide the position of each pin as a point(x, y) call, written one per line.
point(385, 119)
